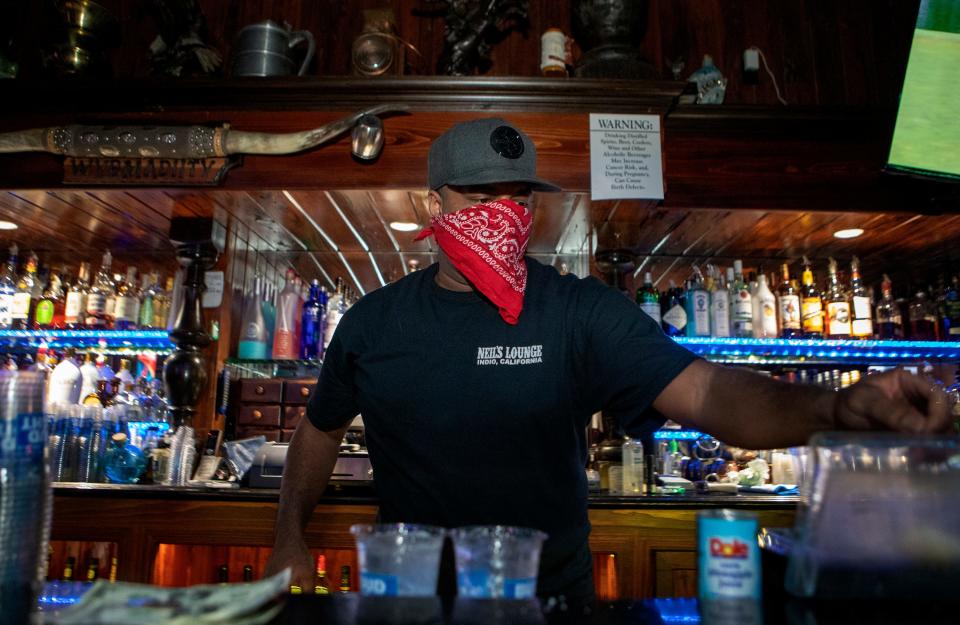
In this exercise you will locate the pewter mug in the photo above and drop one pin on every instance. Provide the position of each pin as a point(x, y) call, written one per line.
point(266, 49)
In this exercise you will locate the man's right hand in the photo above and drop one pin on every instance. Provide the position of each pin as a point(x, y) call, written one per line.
point(297, 557)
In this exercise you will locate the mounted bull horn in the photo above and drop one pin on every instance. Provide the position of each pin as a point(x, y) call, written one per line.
point(175, 141)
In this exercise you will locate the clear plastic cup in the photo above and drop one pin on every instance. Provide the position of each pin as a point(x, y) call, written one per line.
point(398, 560)
point(497, 561)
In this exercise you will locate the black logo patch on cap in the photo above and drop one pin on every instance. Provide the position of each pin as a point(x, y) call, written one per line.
point(506, 142)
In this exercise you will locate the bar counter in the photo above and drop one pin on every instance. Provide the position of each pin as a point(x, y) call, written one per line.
point(642, 546)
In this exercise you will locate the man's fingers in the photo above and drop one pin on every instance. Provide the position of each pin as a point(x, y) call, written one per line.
point(928, 398)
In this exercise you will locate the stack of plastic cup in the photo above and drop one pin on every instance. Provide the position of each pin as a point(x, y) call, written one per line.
point(398, 560)
point(497, 561)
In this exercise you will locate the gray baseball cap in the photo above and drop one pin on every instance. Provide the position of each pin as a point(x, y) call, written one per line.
point(484, 151)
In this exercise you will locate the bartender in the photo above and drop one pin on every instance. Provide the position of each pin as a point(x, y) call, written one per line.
point(477, 376)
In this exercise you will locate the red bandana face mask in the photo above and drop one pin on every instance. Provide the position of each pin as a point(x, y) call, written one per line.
point(486, 243)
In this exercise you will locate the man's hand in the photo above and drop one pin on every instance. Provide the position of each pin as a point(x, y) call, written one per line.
point(893, 400)
point(297, 557)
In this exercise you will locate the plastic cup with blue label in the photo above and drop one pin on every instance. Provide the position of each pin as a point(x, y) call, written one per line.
point(728, 555)
point(398, 560)
point(497, 562)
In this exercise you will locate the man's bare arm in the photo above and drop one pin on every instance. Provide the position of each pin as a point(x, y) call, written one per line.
point(309, 463)
point(747, 409)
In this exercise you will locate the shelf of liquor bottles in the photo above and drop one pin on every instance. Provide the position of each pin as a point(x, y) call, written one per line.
point(808, 351)
point(118, 341)
point(272, 368)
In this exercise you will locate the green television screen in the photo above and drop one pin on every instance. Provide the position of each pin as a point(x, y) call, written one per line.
point(926, 138)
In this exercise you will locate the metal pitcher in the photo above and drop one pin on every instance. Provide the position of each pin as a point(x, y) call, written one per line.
point(266, 49)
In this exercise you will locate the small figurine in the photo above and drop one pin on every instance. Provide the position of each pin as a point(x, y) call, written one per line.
point(472, 29)
point(180, 49)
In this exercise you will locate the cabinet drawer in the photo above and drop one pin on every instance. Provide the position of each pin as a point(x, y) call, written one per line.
point(297, 391)
point(272, 436)
point(293, 415)
point(261, 391)
point(259, 416)
point(286, 435)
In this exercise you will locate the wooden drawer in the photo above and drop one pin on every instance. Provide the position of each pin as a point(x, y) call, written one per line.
point(286, 435)
point(259, 416)
point(261, 391)
point(297, 391)
point(272, 436)
point(293, 415)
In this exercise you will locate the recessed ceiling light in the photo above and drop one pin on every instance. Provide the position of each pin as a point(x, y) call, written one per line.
point(849, 233)
point(404, 226)
point(8, 225)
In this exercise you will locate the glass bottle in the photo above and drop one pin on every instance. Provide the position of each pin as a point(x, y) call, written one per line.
point(951, 317)
point(50, 310)
point(811, 305)
point(90, 375)
point(253, 329)
point(742, 303)
point(320, 585)
point(124, 463)
point(335, 309)
point(719, 306)
point(75, 309)
point(345, 578)
point(649, 299)
point(247, 573)
point(862, 324)
point(100, 291)
point(923, 319)
point(161, 305)
point(93, 569)
point(765, 325)
point(698, 306)
point(147, 294)
point(127, 306)
point(223, 574)
point(838, 306)
point(8, 287)
point(889, 321)
point(68, 569)
point(23, 301)
point(269, 310)
point(311, 324)
point(285, 343)
point(788, 305)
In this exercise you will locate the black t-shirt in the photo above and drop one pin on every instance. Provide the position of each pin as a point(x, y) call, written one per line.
point(472, 421)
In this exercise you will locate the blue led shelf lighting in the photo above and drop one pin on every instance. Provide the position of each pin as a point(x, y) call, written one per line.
point(132, 340)
point(798, 351)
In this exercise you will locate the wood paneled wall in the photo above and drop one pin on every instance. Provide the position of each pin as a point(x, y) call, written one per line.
point(823, 52)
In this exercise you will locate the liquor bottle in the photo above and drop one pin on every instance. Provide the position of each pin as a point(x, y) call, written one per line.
point(320, 584)
point(697, 306)
point(811, 305)
point(247, 573)
point(649, 299)
point(89, 375)
point(93, 569)
point(68, 569)
point(22, 304)
point(148, 292)
point(311, 324)
point(65, 384)
point(8, 287)
point(742, 303)
point(127, 307)
point(951, 317)
point(99, 292)
point(765, 325)
point(838, 307)
point(862, 319)
point(788, 303)
point(123, 463)
point(674, 317)
point(335, 309)
point(223, 574)
point(162, 302)
point(113, 570)
point(632, 455)
point(124, 375)
point(285, 345)
point(50, 311)
point(253, 331)
point(269, 309)
point(345, 578)
point(719, 306)
point(74, 313)
point(889, 320)
point(923, 319)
